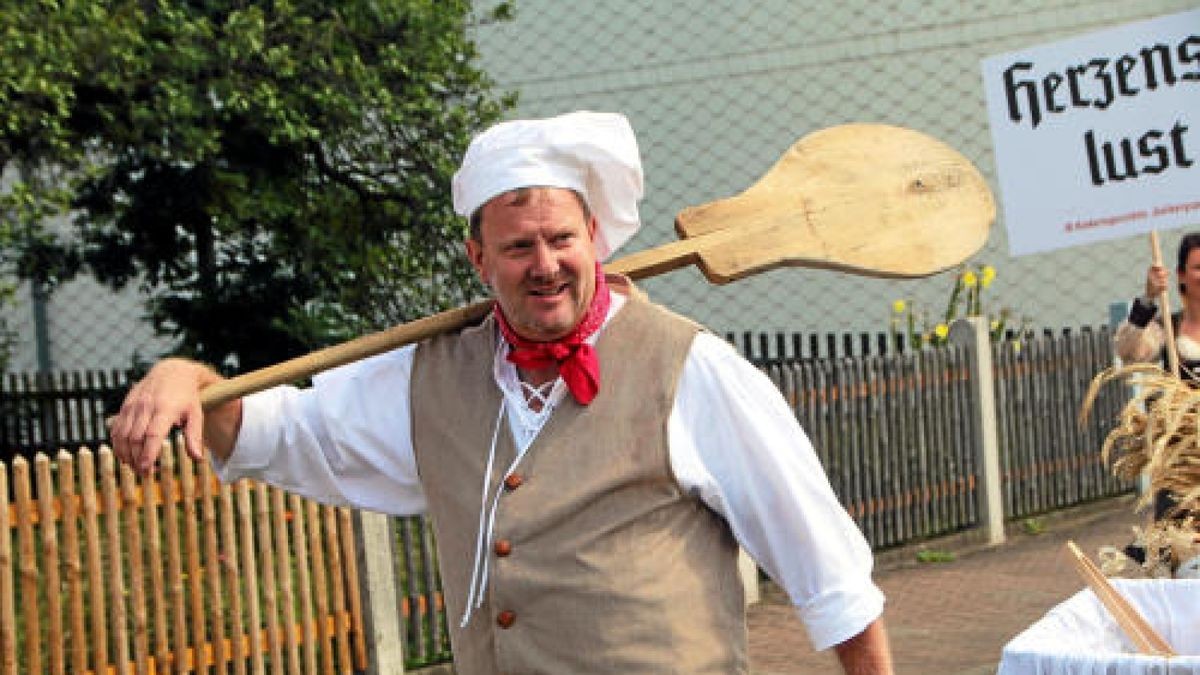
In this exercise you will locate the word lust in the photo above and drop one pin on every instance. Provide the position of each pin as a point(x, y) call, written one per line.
point(1125, 158)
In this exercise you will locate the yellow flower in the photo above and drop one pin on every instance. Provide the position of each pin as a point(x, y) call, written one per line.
point(898, 306)
point(969, 279)
point(1016, 347)
point(995, 324)
point(941, 330)
point(988, 275)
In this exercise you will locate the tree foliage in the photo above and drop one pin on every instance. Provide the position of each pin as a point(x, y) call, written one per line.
point(276, 174)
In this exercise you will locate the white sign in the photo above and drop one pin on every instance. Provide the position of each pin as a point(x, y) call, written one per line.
point(1098, 136)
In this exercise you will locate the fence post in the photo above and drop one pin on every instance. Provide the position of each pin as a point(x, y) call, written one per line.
point(972, 333)
point(376, 555)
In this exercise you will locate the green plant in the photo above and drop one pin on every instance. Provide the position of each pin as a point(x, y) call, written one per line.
point(1033, 526)
point(910, 324)
point(935, 556)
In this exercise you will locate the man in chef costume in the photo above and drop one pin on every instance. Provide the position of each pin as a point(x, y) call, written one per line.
point(591, 461)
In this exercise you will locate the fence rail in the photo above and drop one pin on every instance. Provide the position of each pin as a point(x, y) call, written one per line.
point(791, 347)
point(170, 573)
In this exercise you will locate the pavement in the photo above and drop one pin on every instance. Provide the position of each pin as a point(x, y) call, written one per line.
point(954, 617)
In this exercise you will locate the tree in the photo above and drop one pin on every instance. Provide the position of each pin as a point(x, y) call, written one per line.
point(37, 63)
point(276, 174)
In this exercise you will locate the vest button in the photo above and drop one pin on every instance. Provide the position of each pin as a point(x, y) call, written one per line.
point(506, 618)
point(513, 481)
point(502, 547)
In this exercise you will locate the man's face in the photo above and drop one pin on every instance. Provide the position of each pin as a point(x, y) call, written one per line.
point(535, 252)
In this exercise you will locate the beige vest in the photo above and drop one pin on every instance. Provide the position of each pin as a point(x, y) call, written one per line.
point(601, 564)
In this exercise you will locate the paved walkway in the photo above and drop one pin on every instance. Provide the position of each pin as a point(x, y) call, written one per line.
point(953, 618)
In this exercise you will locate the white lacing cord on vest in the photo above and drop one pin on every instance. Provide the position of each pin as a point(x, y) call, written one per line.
point(472, 603)
point(531, 414)
point(480, 569)
point(530, 423)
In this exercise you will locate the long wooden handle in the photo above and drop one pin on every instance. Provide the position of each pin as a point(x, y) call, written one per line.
point(341, 354)
point(1143, 635)
point(1164, 304)
point(660, 259)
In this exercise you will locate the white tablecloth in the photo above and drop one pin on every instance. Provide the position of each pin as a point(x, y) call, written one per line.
point(1078, 637)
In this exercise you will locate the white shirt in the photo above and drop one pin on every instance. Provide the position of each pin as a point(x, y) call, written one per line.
point(733, 443)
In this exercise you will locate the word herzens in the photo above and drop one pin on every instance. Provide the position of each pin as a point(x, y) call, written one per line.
point(1098, 83)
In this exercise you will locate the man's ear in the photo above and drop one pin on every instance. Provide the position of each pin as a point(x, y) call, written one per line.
point(591, 227)
point(475, 255)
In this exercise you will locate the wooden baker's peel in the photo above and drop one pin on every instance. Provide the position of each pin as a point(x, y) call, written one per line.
point(867, 199)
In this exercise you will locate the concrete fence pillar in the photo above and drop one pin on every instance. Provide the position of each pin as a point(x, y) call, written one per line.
point(376, 557)
point(973, 334)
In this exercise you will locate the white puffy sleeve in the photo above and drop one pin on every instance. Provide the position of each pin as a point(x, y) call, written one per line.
point(347, 440)
point(736, 444)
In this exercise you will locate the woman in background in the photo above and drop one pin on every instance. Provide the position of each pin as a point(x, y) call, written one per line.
point(1142, 336)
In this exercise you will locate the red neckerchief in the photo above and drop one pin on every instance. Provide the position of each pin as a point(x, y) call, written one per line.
point(571, 354)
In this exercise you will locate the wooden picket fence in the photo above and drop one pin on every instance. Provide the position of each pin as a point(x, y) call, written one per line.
point(105, 572)
point(1050, 459)
point(422, 605)
point(894, 437)
point(896, 430)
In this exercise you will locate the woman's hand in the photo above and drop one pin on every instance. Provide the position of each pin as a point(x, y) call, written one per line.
point(1156, 283)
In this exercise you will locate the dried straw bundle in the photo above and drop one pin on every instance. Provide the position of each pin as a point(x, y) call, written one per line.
point(1158, 433)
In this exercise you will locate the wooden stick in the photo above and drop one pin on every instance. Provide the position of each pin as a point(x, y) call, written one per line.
point(113, 566)
point(154, 501)
point(27, 566)
point(1164, 303)
point(72, 561)
point(128, 487)
point(1143, 635)
point(8, 593)
point(44, 481)
point(347, 352)
point(96, 573)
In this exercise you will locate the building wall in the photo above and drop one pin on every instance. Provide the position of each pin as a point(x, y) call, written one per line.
point(718, 89)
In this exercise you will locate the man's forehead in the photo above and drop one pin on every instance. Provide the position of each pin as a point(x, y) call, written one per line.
point(568, 202)
point(511, 215)
point(534, 195)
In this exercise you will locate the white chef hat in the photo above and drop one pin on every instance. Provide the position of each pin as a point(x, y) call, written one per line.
point(593, 153)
